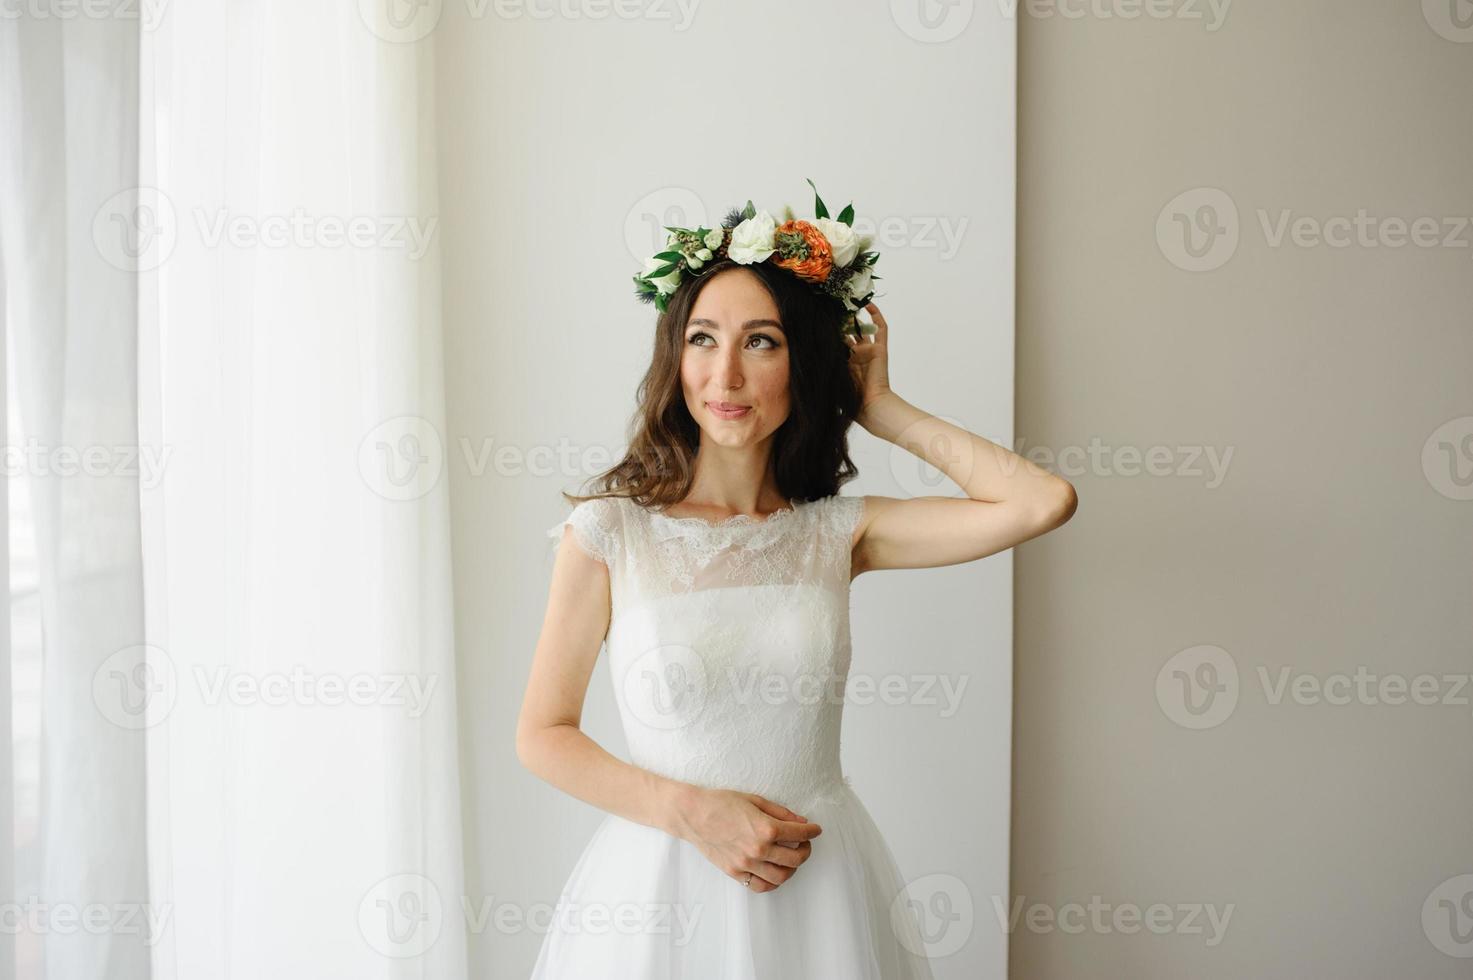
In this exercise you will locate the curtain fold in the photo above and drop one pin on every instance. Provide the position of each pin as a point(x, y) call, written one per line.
point(219, 240)
point(311, 783)
point(71, 153)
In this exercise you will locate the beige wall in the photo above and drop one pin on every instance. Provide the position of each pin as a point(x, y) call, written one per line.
point(1337, 537)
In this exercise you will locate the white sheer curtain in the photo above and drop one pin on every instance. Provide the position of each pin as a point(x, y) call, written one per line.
point(268, 277)
point(310, 823)
point(70, 141)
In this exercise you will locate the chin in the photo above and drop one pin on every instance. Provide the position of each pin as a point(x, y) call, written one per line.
point(726, 434)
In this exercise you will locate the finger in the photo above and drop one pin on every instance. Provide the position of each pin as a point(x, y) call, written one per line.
point(771, 875)
point(773, 809)
point(757, 884)
point(790, 826)
point(881, 327)
point(799, 831)
point(789, 855)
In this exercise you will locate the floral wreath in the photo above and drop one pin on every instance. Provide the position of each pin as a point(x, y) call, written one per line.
point(824, 252)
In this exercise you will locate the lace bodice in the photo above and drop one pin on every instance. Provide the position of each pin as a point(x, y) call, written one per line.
point(729, 641)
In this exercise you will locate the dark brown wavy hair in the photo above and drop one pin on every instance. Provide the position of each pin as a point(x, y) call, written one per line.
point(810, 449)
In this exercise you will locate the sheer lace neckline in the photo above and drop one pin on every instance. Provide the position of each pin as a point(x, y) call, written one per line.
point(734, 521)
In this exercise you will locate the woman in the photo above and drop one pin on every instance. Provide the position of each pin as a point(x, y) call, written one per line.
point(715, 564)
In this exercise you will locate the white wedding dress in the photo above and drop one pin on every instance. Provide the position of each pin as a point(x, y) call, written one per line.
point(728, 646)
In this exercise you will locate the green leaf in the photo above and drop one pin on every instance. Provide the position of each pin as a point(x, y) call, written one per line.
point(846, 216)
point(749, 211)
point(819, 211)
point(662, 271)
point(671, 256)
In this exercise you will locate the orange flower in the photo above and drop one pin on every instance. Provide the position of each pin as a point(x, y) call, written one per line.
point(820, 260)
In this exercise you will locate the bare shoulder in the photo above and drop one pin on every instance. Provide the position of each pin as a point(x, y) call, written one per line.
point(873, 507)
point(863, 511)
point(928, 532)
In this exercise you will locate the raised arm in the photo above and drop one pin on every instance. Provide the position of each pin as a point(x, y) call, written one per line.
point(1011, 499)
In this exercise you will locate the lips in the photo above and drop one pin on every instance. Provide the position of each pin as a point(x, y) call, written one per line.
point(728, 410)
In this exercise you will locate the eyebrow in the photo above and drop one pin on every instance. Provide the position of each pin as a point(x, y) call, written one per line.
point(749, 325)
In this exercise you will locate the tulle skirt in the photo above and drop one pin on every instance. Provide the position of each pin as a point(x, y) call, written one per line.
point(643, 905)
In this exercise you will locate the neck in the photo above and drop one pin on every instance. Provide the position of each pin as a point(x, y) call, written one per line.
point(738, 481)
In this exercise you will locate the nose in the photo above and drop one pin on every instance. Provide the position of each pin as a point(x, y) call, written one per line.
point(729, 370)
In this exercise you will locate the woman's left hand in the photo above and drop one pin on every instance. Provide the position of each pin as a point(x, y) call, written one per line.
point(869, 361)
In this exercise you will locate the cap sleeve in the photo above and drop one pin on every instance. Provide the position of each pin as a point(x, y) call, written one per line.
point(844, 514)
point(595, 526)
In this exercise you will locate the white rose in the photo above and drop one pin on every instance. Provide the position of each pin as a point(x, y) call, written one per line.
point(665, 284)
point(842, 240)
point(713, 238)
point(703, 254)
point(753, 240)
point(859, 286)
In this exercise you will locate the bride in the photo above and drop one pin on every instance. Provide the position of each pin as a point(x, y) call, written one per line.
point(715, 562)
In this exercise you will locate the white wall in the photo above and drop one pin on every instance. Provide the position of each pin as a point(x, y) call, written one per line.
point(564, 142)
point(1338, 540)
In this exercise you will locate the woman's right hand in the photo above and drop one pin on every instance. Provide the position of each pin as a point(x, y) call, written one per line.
point(742, 832)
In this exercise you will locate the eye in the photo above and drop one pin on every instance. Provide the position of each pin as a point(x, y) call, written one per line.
point(772, 344)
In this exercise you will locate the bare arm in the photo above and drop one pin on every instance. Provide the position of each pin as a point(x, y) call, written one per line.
point(751, 839)
point(550, 743)
point(1011, 498)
